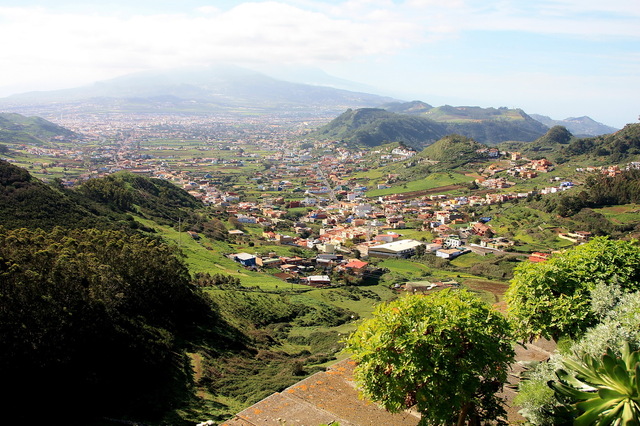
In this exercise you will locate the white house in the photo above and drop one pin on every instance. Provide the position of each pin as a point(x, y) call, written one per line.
point(362, 210)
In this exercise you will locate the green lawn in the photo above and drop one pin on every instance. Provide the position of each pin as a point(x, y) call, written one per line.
point(404, 266)
point(469, 259)
point(415, 234)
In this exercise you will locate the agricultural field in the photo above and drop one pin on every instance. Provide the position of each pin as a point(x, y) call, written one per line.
point(432, 181)
point(621, 215)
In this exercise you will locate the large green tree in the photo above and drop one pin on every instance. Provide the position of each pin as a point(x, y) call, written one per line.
point(553, 298)
point(447, 354)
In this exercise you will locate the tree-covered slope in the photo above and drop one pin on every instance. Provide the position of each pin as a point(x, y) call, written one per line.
point(104, 203)
point(550, 145)
point(126, 192)
point(93, 324)
point(26, 202)
point(558, 144)
point(620, 146)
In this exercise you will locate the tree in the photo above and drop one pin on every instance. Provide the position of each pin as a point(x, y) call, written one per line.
point(553, 298)
point(96, 319)
point(448, 354)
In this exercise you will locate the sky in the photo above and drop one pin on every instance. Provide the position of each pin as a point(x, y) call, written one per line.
point(561, 58)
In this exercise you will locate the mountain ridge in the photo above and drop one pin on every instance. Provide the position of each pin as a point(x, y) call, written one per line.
point(237, 90)
point(579, 126)
point(372, 127)
point(196, 91)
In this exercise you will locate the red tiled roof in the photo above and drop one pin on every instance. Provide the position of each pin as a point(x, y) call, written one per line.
point(356, 264)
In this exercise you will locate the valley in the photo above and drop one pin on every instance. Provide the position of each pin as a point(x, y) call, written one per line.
point(293, 238)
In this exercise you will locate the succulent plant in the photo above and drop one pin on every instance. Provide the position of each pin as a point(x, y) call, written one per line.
point(601, 391)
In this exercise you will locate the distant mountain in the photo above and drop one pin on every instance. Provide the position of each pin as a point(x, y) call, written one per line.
point(313, 76)
point(418, 125)
point(195, 91)
point(18, 129)
point(579, 126)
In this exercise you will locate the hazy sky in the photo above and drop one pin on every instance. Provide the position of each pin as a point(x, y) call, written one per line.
point(556, 57)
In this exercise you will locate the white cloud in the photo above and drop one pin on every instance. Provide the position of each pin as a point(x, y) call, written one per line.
point(250, 32)
point(209, 10)
point(43, 49)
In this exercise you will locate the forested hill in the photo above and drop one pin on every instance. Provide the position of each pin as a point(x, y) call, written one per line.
point(498, 126)
point(94, 324)
point(373, 126)
point(621, 146)
point(550, 145)
point(103, 203)
point(152, 198)
point(97, 318)
point(26, 202)
point(559, 145)
point(18, 129)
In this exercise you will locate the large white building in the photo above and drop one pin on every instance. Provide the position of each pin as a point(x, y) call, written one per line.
point(402, 248)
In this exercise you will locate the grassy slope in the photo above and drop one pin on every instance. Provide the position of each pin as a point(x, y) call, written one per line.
point(209, 256)
point(431, 181)
point(620, 215)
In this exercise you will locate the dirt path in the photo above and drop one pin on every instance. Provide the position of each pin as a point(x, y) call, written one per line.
point(540, 350)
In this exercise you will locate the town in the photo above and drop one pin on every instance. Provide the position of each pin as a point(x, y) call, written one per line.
point(279, 188)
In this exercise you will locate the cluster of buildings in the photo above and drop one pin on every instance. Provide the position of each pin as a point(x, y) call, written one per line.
point(316, 271)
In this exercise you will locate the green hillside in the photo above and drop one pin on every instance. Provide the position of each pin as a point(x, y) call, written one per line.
point(104, 203)
point(18, 129)
point(373, 127)
point(453, 149)
point(415, 127)
point(26, 202)
point(621, 146)
point(550, 145)
point(126, 192)
point(559, 145)
point(97, 322)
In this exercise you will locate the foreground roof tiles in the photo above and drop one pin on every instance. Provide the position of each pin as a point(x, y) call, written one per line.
point(325, 397)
